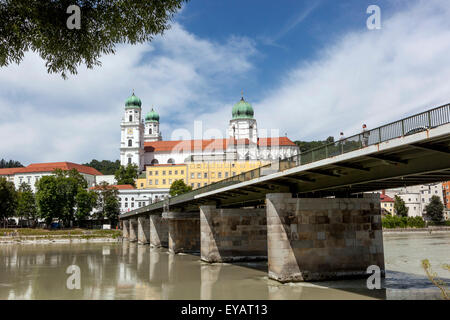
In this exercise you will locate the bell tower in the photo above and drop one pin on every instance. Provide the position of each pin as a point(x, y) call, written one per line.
point(132, 134)
point(151, 131)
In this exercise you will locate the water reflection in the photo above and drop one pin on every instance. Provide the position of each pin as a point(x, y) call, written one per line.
point(133, 271)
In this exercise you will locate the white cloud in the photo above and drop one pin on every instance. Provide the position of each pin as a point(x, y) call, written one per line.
point(45, 118)
point(370, 77)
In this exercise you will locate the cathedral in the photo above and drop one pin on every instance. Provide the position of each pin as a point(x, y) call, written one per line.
point(142, 143)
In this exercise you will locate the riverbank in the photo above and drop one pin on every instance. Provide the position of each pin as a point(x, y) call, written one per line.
point(35, 236)
point(433, 229)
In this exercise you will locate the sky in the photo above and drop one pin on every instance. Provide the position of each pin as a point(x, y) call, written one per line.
point(310, 69)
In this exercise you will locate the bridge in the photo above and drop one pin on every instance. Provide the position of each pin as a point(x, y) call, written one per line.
point(311, 215)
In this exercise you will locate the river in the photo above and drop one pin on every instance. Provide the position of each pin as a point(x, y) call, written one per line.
point(131, 271)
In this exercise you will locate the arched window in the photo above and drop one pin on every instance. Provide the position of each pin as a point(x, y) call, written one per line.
point(131, 118)
point(171, 161)
point(150, 131)
point(155, 161)
point(129, 160)
point(130, 143)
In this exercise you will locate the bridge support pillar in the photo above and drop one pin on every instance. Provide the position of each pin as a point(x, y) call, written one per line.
point(133, 229)
point(184, 232)
point(125, 229)
point(159, 231)
point(144, 230)
point(233, 234)
point(323, 238)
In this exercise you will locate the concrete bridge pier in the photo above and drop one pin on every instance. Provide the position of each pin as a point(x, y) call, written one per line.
point(133, 233)
point(159, 231)
point(184, 231)
point(233, 234)
point(125, 229)
point(144, 229)
point(323, 238)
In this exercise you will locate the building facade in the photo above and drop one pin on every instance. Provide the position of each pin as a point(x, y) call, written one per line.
point(142, 143)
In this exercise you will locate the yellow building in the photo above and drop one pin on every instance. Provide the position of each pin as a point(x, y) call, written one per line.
point(194, 174)
point(387, 204)
point(203, 173)
point(161, 176)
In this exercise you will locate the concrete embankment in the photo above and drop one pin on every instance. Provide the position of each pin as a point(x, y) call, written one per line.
point(419, 230)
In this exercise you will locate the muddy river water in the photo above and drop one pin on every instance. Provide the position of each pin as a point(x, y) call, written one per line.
point(130, 271)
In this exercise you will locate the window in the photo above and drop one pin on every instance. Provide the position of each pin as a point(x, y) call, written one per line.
point(29, 180)
point(192, 175)
point(126, 199)
point(156, 173)
point(170, 181)
point(176, 172)
point(150, 173)
point(164, 172)
point(234, 173)
point(198, 185)
point(219, 175)
point(199, 175)
point(205, 184)
point(126, 204)
point(150, 182)
point(129, 160)
point(132, 204)
point(182, 172)
point(226, 174)
point(130, 142)
point(205, 175)
point(170, 172)
point(131, 118)
point(192, 185)
point(164, 181)
point(142, 185)
point(156, 181)
point(150, 131)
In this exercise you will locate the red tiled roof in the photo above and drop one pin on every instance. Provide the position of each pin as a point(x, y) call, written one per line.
point(385, 198)
point(211, 144)
point(51, 166)
point(9, 171)
point(117, 186)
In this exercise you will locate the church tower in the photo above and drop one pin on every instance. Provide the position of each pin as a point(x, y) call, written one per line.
point(242, 125)
point(151, 132)
point(132, 134)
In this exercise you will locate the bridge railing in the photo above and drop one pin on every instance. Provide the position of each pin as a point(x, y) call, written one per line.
point(410, 125)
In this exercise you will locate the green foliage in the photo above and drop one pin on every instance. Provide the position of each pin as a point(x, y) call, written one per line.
point(435, 209)
point(308, 145)
point(389, 222)
point(104, 166)
point(56, 195)
point(86, 201)
point(26, 204)
point(127, 175)
point(179, 187)
point(400, 207)
point(104, 23)
point(8, 199)
point(108, 203)
point(10, 164)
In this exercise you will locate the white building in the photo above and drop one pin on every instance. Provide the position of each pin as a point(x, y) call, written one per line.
point(142, 144)
point(32, 173)
point(109, 179)
point(131, 198)
point(417, 197)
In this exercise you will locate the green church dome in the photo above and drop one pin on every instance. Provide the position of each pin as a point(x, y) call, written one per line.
point(133, 102)
point(242, 110)
point(152, 116)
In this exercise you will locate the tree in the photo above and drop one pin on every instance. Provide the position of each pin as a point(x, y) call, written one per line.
point(108, 203)
point(308, 145)
point(435, 209)
point(10, 164)
point(179, 187)
point(85, 202)
point(400, 207)
point(8, 199)
point(49, 200)
point(104, 166)
point(26, 204)
point(43, 26)
point(127, 175)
